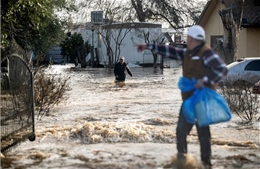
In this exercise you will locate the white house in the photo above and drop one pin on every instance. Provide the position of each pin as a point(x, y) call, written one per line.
point(130, 34)
point(123, 37)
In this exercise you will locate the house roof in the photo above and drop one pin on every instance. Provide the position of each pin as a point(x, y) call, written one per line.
point(251, 13)
point(122, 25)
point(207, 11)
point(129, 25)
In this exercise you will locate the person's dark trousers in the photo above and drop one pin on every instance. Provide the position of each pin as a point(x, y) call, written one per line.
point(120, 79)
point(183, 129)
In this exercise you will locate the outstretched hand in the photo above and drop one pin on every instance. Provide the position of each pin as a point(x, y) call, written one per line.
point(140, 47)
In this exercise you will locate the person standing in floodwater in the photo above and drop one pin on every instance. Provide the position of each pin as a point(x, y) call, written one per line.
point(201, 63)
point(120, 70)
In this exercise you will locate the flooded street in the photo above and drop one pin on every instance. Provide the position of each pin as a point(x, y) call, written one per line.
point(106, 126)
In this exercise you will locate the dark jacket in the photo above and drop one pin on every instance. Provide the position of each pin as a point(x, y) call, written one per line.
point(193, 66)
point(119, 71)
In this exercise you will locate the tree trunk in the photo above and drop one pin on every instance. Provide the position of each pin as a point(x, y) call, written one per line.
point(97, 57)
point(155, 60)
point(162, 64)
point(169, 38)
point(231, 19)
point(230, 36)
point(138, 6)
point(92, 56)
point(109, 50)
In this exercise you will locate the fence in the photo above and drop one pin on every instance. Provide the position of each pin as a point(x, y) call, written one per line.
point(17, 103)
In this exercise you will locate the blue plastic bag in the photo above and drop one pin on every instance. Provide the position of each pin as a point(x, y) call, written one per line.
point(188, 109)
point(210, 107)
point(186, 85)
point(205, 106)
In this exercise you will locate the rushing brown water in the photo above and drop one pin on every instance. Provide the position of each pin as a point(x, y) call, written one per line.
point(103, 125)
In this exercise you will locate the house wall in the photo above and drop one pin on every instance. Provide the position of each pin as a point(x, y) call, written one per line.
point(242, 47)
point(253, 42)
point(214, 26)
point(249, 43)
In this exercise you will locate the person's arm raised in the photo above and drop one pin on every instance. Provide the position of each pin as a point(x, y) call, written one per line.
point(164, 50)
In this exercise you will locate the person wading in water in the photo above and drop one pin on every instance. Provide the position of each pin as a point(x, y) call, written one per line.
point(120, 70)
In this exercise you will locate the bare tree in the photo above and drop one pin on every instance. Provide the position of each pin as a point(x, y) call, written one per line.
point(106, 35)
point(113, 40)
point(110, 8)
point(179, 14)
point(231, 18)
point(118, 36)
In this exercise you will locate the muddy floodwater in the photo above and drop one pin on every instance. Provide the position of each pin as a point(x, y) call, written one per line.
point(106, 126)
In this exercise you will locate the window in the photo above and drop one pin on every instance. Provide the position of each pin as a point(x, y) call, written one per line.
point(215, 40)
point(253, 65)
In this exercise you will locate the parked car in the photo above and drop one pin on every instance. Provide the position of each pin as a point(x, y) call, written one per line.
point(256, 88)
point(243, 71)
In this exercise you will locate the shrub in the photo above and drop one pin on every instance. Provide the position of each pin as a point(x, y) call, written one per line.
point(49, 90)
point(242, 101)
point(70, 47)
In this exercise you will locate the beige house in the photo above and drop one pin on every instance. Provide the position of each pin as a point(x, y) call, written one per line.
point(249, 41)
